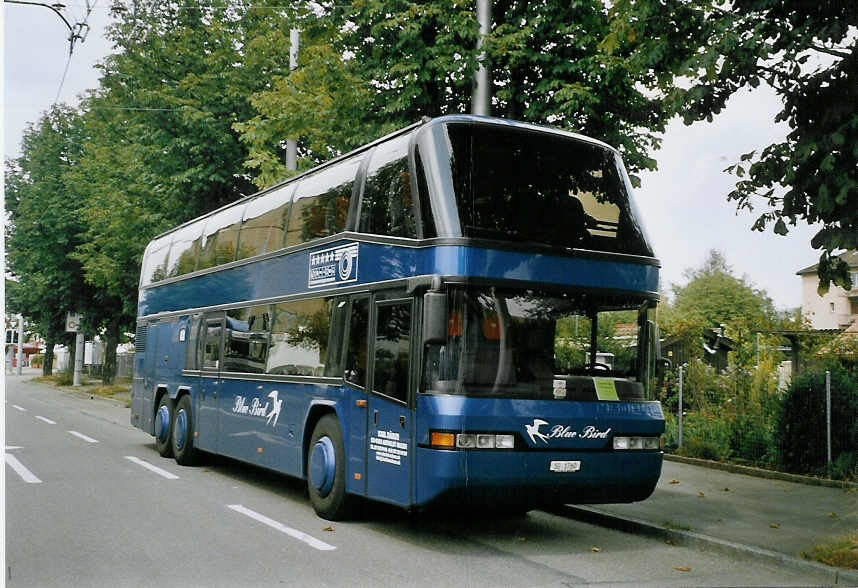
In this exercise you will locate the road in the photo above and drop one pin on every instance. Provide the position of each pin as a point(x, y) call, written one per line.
point(89, 502)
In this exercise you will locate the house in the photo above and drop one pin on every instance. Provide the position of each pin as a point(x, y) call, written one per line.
point(838, 308)
point(715, 348)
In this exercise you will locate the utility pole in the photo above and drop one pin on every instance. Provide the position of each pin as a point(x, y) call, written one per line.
point(481, 98)
point(292, 144)
point(78, 358)
point(20, 342)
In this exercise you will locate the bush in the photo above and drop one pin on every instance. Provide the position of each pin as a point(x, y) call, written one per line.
point(65, 378)
point(801, 421)
point(37, 360)
point(751, 433)
point(705, 435)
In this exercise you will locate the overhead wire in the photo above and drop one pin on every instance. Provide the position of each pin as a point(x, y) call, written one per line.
point(77, 32)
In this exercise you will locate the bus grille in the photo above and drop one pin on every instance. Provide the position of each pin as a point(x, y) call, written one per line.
point(140, 338)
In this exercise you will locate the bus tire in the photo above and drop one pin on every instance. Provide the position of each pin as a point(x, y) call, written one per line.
point(326, 470)
point(164, 427)
point(183, 433)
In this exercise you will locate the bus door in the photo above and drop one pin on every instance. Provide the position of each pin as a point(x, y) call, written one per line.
point(210, 358)
point(389, 434)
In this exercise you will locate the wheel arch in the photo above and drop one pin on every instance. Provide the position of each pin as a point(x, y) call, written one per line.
point(317, 410)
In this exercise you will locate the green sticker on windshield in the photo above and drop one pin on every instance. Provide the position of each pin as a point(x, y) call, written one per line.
point(605, 389)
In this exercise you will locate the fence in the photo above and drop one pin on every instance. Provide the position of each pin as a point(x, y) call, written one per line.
point(743, 417)
point(124, 366)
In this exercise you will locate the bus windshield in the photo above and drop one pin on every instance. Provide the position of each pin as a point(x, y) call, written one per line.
point(522, 344)
point(543, 188)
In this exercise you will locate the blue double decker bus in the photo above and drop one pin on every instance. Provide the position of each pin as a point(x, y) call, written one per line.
point(461, 312)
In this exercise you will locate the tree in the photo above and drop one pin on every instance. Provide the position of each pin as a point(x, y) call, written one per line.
point(160, 146)
point(310, 103)
point(714, 296)
point(46, 226)
point(400, 61)
point(807, 52)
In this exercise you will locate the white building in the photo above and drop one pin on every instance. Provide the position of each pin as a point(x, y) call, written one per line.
point(838, 308)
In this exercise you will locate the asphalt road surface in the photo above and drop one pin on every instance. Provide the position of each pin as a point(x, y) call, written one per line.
point(89, 502)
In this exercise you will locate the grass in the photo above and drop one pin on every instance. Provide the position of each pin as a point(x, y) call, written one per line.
point(841, 552)
point(672, 526)
point(119, 390)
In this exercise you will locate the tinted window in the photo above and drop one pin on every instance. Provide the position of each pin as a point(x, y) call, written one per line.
point(155, 260)
point(392, 341)
point(211, 345)
point(521, 185)
point(183, 250)
point(192, 344)
point(246, 341)
point(219, 238)
point(299, 338)
point(387, 204)
point(264, 223)
point(321, 204)
point(355, 369)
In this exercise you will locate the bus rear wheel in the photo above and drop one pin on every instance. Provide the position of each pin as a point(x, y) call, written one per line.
point(183, 433)
point(326, 470)
point(164, 427)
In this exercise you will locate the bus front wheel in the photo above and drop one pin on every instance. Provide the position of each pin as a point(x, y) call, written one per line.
point(326, 470)
point(183, 433)
point(164, 427)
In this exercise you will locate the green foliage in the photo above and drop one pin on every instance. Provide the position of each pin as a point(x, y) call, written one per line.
point(384, 65)
point(46, 224)
point(714, 296)
point(704, 435)
point(801, 423)
point(805, 51)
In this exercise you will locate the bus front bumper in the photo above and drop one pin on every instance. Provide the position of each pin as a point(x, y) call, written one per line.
point(524, 479)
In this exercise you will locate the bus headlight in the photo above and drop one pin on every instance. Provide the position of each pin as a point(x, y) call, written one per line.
point(444, 440)
point(637, 443)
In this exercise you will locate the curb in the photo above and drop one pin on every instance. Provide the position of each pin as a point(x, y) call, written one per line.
point(760, 473)
point(703, 542)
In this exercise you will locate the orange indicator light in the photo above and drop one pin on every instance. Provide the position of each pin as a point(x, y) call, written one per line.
point(443, 439)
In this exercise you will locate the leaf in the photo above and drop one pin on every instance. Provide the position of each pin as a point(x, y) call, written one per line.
point(595, 549)
point(700, 495)
point(674, 482)
point(682, 569)
point(329, 529)
point(775, 525)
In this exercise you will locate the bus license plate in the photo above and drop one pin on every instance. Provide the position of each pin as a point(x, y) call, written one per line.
point(565, 466)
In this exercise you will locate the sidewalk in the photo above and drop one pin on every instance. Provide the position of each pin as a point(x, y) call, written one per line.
point(730, 511)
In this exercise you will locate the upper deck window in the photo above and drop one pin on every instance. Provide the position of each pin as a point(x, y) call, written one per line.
point(183, 250)
point(522, 185)
point(264, 224)
point(321, 204)
point(387, 206)
point(155, 260)
point(219, 238)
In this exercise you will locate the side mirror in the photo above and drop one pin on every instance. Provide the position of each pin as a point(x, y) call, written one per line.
point(434, 318)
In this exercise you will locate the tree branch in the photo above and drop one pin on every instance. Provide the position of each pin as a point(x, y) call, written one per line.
point(834, 52)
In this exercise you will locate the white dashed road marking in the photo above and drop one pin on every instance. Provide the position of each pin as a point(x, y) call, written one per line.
point(46, 420)
point(152, 468)
point(84, 437)
point(21, 408)
point(294, 533)
point(22, 471)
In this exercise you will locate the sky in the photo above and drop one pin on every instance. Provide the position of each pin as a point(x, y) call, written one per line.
point(683, 204)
